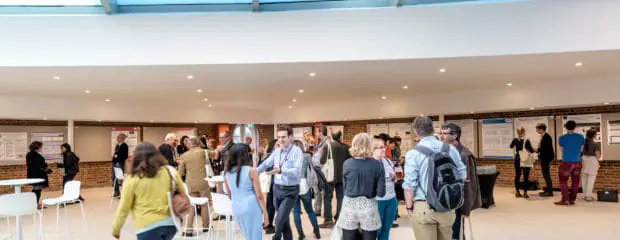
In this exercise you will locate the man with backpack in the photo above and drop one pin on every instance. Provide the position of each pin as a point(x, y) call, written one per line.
point(451, 134)
point(434, 182)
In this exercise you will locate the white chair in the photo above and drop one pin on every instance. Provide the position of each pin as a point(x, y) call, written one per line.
point(8, 230)
point(195, 201)
point(71, 195)
point(222, 206)
point(119, 175)
point(20, 204)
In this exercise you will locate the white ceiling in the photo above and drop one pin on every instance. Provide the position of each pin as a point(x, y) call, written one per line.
point(271, 86)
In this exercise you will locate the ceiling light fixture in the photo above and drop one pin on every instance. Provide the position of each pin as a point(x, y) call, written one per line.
point(509, 84)
point(421, 115)
point(578, 64)
point(107, 100)
point(44, 118)
point(472, 112)
point(205, 99)
point(301, 91)
point(442, 70)
point(405, 87)
point(383, 97)
point(151, 121)
point(190, 77)
point(290, 106)
point(87, 91)
point(607, 103)
point(195, 122)
point(56, 78)
point(312, 74)
point(199, 90)
point(98, 120)
point(532, 108)
point(380, 117)
point(294, 100)
point(210, 105)
point(345, 119)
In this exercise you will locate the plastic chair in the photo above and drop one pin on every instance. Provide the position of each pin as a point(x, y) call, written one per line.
point(195, 201)
point(8, 230)
point(119, 175)
point(71, 195)
point(222, 206)
point(20, 204)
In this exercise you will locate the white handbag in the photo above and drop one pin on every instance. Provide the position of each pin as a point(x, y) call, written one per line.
point(328, 167)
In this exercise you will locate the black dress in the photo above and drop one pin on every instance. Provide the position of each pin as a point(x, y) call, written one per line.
point(37, 168)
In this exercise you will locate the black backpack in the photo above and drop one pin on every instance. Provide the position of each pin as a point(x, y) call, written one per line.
point(445, 186)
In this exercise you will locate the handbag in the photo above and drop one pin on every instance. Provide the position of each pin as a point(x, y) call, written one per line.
point(328, 168)
point(179, 200)
point(607, 195)
point(336, 233)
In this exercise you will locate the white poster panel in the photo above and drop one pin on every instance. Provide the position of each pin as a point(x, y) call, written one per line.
point(376, 129)
point(334, 128)
point(14, 145)
point(403, 130)
point(613, 132)
point(51, 144)
point(132, 141)
point(467, 133)
point(529, 123)
point(497, 134)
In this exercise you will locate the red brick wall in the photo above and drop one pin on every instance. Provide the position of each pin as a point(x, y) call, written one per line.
point(265, 131)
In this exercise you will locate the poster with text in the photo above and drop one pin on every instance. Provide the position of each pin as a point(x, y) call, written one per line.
point(51, 144)
point(403, 130)
point(14, 145)
point(467, 133)
point(497, 134)
point(334, 128)
point(298, 134)
point(529, 123)
point(613, 132)
point(132, 141)
point(584, 123)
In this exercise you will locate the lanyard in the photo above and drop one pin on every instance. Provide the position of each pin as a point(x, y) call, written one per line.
point(285, 156)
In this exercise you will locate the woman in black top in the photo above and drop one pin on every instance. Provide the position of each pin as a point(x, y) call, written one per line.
point(363, 181)
point(182, 148)
point(37, 168)
point(70, 164)
point(590, 160)
point(522, 161)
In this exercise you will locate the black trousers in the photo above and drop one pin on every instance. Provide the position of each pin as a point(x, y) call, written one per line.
point(285, 198)
point(526, 178)
point(328, 193)
point(358, 235)
point(545, 165)
point(271, 210)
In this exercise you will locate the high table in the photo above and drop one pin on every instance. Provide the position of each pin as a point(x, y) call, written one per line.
point(18, 183)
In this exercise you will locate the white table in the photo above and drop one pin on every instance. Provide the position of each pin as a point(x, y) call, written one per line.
point(18, 183)
point(216, 179)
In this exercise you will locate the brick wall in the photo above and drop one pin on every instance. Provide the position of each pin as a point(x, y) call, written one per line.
point(265, 131)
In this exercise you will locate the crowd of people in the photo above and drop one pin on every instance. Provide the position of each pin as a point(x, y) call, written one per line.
point(436, 180)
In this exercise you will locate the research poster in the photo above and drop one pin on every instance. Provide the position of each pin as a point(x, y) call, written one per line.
point(14, 146)
point(529, 123)
point(298, 134)
point(467, 133)
point(51, 144)
point(334, 128)
point(403, 130)
point(133, 138)
point(584, 123)
point(180, 132)
point(376, 129)
point(496, 137)
point(613, 132)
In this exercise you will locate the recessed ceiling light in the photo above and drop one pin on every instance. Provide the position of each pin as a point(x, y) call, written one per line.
point(421, 115)
point(56, 78)
point(44, 118)
point(294, 100)
point(199, 90)
point(205, 99)
point(578, 64)
point(442, 70)
point(509, 84)
point(345, 119)
point(383, 97)
point(210, 105)
point(312, 74)
point(190, 77)
point(606, 103)
point(301, 91)
point(87, 91)
point(532, 108)
point(290, 106)
point(107, 100)
point(98, 120)
point(405, 87)
point(195, 121)
point(472, 112)
point(380, 117)
point(151, 121)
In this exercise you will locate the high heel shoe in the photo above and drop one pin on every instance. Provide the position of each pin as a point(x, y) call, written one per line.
point(518, 194)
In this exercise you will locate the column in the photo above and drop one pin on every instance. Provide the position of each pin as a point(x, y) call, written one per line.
point(70, 129)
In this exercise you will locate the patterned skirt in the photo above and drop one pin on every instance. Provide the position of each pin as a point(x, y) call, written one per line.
point(359, 213)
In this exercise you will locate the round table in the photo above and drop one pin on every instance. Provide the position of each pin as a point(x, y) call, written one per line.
point(18, 183)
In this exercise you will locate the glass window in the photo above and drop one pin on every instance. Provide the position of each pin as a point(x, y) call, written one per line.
point(50, 3)
point(179, 2)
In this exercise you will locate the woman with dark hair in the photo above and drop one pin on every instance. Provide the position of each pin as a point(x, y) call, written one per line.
point(242, 185)
point(305, 197)
point(591, 157)
point(183, 147)
point(37, 168)
point(145, 194)
point(69, 166)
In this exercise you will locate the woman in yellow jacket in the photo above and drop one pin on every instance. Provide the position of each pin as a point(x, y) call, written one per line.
point(146, 197)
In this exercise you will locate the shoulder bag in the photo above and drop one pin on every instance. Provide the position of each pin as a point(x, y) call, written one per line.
point(179, 200)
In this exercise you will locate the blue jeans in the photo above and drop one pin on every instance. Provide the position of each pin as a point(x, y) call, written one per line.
point(160, 233)
point(306, 199)
point(387, 213)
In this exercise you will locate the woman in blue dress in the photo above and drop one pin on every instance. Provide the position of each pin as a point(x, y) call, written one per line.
point(243, 188)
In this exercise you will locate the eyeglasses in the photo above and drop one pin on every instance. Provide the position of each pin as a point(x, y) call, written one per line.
point(382, 147)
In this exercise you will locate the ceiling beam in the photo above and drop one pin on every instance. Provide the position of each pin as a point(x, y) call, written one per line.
point(109, 6)
point(400, 3)
point(255, 6)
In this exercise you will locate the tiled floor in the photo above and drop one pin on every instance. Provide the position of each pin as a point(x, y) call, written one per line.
point(511, 219)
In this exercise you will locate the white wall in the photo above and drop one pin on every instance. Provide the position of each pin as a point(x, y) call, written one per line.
point(298, 36)
point(565, 93)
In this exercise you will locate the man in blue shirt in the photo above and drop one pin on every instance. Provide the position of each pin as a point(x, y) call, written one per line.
point(571, 144)
point(286, 167)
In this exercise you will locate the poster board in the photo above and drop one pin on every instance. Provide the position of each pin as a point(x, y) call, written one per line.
point(132, 141)
point(376, 129)
point(180, 132)
point(13, 146)
point(529, 123)
point(468, 133)
point(584, 123)
point(403, 130)
point(497, 134)
point(298, 134)
point(334, 128)
point(613, 132)
point(51, 144)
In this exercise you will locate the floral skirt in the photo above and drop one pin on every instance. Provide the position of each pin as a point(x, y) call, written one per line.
point(359, 213)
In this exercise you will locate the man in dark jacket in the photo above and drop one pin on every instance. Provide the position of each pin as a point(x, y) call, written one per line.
point(168, 149)
point(451, 133)
point(340, 153)
point(546, 154)
point(121, 154)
